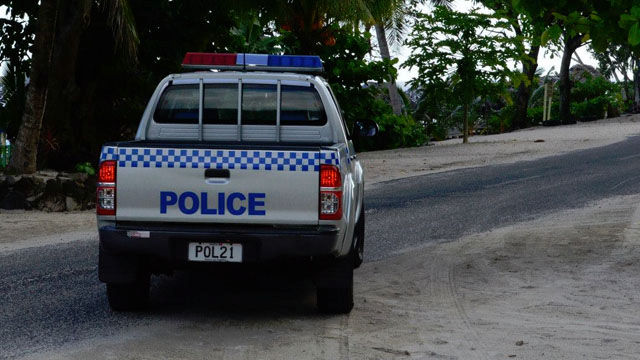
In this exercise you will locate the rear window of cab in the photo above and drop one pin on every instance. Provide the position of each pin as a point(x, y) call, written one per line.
point(299, 105)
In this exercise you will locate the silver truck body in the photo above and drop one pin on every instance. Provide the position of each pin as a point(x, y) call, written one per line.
point(280, 163)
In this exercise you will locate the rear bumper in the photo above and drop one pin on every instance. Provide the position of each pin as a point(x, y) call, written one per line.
point(169, 244)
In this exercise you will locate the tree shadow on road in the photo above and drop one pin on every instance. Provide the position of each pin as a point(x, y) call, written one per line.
point(235, 292)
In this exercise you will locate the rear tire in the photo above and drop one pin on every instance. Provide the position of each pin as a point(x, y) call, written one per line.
point(335, 291)
point(129, 297)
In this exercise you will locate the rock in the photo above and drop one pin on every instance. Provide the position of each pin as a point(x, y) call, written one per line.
point(11, 180)
point(79, 177)
point(14, 200)
point(52, 203)
point(87, 195)
point(4, 189)
point(69, 187)
point(53, 186)
point(30, 185)
point(53, 198)
point(71, 204)
point(48, 191)
point(48, 173)
point(34, 198)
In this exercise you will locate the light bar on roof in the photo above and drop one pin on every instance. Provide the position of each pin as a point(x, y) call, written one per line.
point(256, 62)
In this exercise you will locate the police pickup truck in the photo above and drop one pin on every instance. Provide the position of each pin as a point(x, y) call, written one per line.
point(245, 160)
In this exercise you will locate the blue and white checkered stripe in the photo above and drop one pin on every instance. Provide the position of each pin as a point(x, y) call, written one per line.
point(220, 159)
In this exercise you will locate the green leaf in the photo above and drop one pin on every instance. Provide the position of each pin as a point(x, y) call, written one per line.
point(634, 34)
point(559, 16)
point(586, 37)
point(551, 34)
point(635, 11)
point(516, 81)
point(544, 38)
point(626, 21)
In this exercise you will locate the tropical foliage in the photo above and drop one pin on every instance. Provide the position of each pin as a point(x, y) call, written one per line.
point(74, 79)
point(460, 51)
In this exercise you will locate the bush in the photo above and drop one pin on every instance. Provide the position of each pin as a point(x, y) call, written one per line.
point(594, 98)
point(535, 115)
point(500, 121)
point(591, 109)
point(395, 131)
point(437, 131)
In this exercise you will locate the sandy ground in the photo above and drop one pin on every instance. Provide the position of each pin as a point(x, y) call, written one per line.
point(528, 144)
point(566, 286)
point(21, 229)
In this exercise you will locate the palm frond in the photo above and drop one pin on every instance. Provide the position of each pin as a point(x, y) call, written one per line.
point(10, 84)
point(123, 26)
point(14, 88)
point(445, 3)
point(536, 94)
point(396, 26)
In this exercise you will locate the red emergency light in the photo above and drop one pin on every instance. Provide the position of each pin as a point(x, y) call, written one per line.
point(246, 62)
point(192, 58)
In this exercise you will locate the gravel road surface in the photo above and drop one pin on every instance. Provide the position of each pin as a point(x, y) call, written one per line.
point(445, 206)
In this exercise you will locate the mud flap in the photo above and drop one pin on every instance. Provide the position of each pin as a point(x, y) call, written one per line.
point(117, 269)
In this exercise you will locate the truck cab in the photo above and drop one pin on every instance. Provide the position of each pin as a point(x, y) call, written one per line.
point(246, 159)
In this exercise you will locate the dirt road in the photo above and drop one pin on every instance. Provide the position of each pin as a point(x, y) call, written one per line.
point(565, 286)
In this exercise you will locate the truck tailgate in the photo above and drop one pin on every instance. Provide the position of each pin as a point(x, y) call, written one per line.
point(218, 185)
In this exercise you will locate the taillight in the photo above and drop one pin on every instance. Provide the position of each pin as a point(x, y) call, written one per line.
point(330, 193)
point(106, 190)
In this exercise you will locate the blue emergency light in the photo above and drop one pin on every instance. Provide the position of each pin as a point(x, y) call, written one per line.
point(256, 62)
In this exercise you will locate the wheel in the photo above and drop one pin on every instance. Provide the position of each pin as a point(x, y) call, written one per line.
point(129, 297)
point(335, 290)
point(358, 241)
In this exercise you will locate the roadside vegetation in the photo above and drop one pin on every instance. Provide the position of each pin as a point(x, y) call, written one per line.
point(77, 73)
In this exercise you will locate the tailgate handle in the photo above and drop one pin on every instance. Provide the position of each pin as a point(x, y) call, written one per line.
point(216, 173)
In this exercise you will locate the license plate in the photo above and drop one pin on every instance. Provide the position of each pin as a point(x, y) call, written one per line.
point(218, 252)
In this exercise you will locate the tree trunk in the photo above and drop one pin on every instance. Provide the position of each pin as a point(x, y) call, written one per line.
point(394, 97)
point(529, 67)
point(61, 112)
point(24, 155)
point(52, 82)
point(465, 124)
point(570, 46)
point(615, 76)
point(625, 80)
point(636, 85)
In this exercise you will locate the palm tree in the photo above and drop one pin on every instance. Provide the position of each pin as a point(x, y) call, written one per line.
point(390, 22)
point(60, 27)
point(308, 16)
